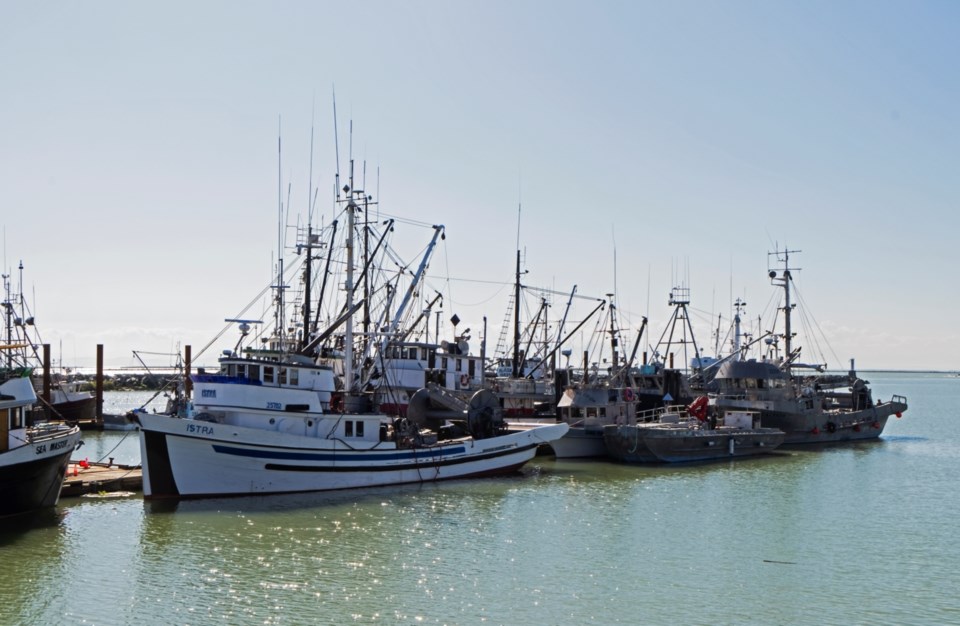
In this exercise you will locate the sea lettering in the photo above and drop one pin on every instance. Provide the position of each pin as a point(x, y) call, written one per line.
point(41, 448)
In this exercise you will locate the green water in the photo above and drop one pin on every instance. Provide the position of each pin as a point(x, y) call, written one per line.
point(862, 534)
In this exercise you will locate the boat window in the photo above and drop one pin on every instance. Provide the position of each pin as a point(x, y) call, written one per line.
point(395, 353)
point(459, 365)
point(348, 428)
point(254, 372)
point(231, 370)
point(443, 363)
point(359, 428)
point(412, 354)
point(295, 377)
point(283, 376)
point(268, 374)
point(424, 354)
point(242, 371)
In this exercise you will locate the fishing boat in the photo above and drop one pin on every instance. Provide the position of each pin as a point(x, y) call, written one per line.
point(33, 458)
point(292, 417)
point(678, 434)
point(59, 398)
point(809, 404)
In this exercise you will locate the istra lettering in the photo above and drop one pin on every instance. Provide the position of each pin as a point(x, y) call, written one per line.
point(199, 429)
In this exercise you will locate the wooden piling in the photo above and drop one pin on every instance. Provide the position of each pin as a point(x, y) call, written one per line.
point(98, 386)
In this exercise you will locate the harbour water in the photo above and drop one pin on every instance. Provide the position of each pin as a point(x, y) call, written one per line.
point(861, 534)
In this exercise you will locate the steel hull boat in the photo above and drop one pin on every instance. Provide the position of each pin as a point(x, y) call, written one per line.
point(673, 443)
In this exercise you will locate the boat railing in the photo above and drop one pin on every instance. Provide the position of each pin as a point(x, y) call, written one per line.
point(670, 413)
point(43, 432)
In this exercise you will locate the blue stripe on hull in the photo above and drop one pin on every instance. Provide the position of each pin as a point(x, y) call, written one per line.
point(345, 456)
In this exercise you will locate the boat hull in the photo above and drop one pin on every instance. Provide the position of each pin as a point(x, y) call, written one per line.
point(31, 476)
point(819, 427)
point(187, 459)
point(651, 443)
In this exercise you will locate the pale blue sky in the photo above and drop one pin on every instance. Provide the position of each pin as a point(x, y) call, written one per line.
point(138, 165)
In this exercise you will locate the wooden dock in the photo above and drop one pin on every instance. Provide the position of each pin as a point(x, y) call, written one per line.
point(101, 478)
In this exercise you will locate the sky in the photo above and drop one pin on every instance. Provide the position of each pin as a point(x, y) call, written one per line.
point(626, 147)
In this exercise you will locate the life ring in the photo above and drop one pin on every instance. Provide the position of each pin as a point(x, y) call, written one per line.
point(464, 380)
point(698, 408)
point(628, 395)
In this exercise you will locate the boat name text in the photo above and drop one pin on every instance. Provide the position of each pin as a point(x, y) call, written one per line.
point(57, 445)
point(200, 429)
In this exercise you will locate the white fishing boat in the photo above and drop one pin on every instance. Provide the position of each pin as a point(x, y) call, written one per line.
point(33, 458)
point(285, 419)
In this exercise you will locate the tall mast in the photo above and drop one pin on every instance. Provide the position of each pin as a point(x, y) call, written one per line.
point(738, 305)
point(516, 322)
point(279, 322)
point(348, 341)
point(784, 281)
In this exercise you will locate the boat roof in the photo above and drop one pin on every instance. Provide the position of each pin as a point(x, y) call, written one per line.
point(750, 369)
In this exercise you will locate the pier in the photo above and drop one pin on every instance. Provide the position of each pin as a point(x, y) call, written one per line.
point(86, 478)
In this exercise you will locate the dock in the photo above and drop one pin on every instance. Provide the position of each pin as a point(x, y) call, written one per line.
point(94, 478)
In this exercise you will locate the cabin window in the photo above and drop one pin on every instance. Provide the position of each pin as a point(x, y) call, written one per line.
point(348, 428)
point(443, 363)
point(16, 417)
point(359, 428)
point(295, 377)
point(412, 354)
point(268, 374)
point(423, 354)
point(242, 371)
point(471, 364)
point(459, 365)
point(283, 376)
point(254, 372)
point(395, 353)
point(231, 370)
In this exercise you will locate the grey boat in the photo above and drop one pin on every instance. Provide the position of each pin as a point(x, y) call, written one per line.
point(809, 405)
point(677, 437)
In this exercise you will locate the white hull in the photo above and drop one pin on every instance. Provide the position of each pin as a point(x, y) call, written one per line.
point(187, 458)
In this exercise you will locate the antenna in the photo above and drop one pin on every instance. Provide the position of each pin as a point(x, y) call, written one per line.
point(336, 141)
point(313, 110)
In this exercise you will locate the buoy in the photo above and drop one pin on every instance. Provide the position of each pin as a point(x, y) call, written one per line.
point(85, 463)
point(898, 414)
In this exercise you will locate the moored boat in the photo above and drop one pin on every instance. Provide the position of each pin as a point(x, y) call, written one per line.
point(810, 405)
point(286, 419)
point(33, 458)
point(675, 437)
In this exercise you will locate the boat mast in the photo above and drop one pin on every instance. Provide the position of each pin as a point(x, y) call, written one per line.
point(738, 305)
point(516, 321)
point(348, 341)
point(784, 281)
